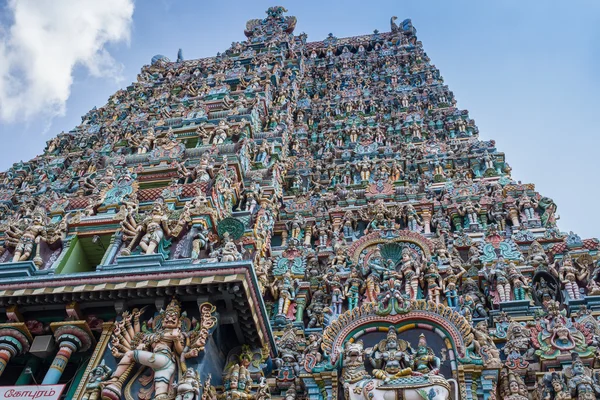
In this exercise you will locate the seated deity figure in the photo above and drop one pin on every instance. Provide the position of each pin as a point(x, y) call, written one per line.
point(155, 227)
point(425, 361)
point(537, 256)
point(391, 357)
point(94, 383)
point(237, 380)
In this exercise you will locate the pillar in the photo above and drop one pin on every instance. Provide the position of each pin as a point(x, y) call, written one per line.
point(301, 300)
point(114, 246)
point(5, 355)
point(68, 346)
point(489, 381)
point(426, 216)
point(15, 339)
point(307, 235)
point(33, 363)
point(284, 238)
point(514, 217)
point(71, 337)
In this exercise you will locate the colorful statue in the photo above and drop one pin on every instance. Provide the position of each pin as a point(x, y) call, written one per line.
point(170, 340)
point(95, 380)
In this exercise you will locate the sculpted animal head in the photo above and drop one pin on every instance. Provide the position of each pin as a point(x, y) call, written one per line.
point(354, 350)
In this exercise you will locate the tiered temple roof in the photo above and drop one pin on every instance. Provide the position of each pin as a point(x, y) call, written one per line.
point(291, 197)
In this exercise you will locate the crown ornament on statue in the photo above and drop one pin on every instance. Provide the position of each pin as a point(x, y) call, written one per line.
point(174, 307)
point(422, 340)
point(392, 333)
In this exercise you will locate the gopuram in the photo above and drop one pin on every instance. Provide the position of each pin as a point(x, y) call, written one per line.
point(289, 220)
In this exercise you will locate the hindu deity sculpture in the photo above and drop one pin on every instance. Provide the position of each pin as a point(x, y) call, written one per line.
point(284, 289)
point(568, 275)
point(376, 270)
point(316, 310)
point(545, 290)
point(499, 281)
point(27, 234)
point(425, 361)
point(449, 288)
point(483, 346)
point(471, 211)
point(170, 340)
point(391, 357)
point(512, 386)
point(580, 383)
point(93, 386)
point(200, 242)
point(151, 231)
point(228, 252)
point(188, 388)
point(527, 205)
point(422, 381)
point(536, 255)
point(336, 291)
point(519, 283)
point(413, 219)
point(409, 270)
point(352, 289)
point(237, 382)
point(472, 299)
point(552, 386)
point(518, 341)
point(312, 353)
point(288, 363)
point(434, 282)
point(498, 215)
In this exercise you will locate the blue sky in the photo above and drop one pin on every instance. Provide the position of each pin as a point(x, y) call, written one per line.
point(527, 71)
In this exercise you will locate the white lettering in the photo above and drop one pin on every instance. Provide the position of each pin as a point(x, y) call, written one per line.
point(39, 392)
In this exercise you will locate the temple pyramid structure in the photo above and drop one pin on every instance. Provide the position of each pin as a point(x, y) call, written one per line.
point(290, 219)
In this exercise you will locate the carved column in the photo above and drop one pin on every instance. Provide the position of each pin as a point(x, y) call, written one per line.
point(113, 247)
point(284, 238)
point(15, 339)
point(71, 337)
point(30, 369)
point(307, 235)
point(301, 301)
point(426, 216)
point(489, 381)
point(514, 217)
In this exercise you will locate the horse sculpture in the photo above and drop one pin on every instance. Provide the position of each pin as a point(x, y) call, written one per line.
point(359, 385)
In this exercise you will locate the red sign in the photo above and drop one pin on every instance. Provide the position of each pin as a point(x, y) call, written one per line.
point(32, 392)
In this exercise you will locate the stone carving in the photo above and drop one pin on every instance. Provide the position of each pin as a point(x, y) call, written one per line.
point(164, 347)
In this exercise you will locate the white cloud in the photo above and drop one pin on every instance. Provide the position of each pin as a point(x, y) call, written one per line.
point(45, 41)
